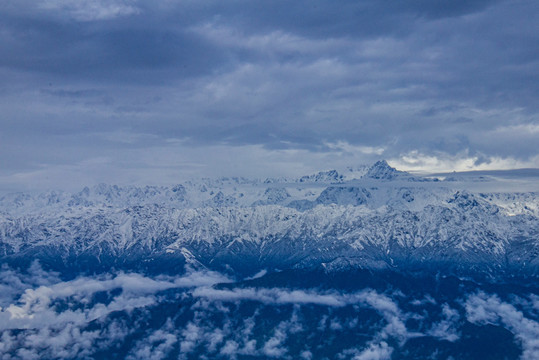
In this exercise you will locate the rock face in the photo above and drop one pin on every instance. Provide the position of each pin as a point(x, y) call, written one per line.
point(243, 226)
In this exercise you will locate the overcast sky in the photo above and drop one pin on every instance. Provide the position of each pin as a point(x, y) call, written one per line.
point(137, 91)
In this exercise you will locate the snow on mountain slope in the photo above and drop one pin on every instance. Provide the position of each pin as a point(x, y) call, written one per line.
point(387, 218)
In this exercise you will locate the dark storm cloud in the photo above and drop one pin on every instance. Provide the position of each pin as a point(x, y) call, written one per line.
point(446, 82)
point(128, 51)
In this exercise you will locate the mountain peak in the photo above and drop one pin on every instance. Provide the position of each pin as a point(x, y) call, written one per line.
point(381, 170)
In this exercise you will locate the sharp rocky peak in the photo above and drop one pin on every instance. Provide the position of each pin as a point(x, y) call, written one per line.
point(382, 171)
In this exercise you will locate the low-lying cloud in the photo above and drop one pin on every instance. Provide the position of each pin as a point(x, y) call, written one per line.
point(483, 308)
point(165, 316)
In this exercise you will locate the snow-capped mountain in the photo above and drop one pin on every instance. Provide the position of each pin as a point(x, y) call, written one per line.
point(385, 219)
point(382, 171)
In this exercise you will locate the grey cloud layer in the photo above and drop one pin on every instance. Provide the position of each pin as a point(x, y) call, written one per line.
point(451, 79)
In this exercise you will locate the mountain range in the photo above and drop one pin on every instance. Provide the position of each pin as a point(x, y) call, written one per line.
point(381, 218)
